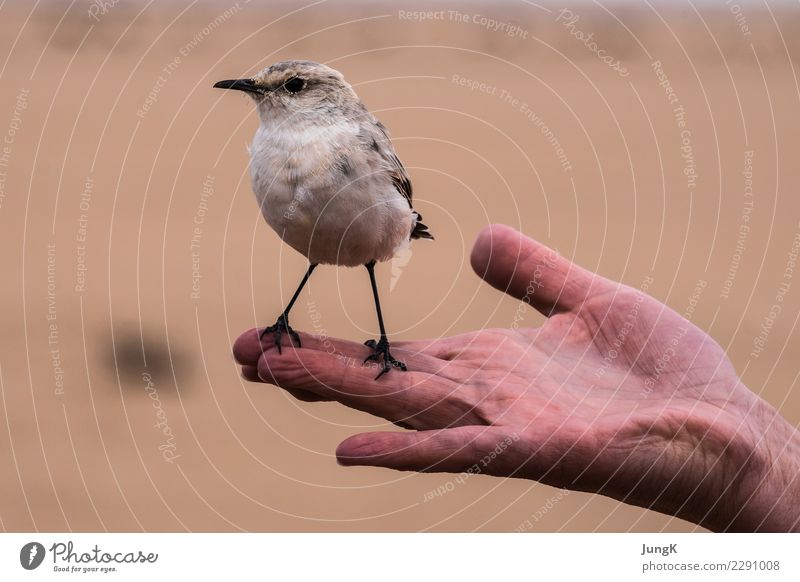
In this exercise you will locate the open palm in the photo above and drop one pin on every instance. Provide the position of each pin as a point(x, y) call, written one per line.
point(616, 394)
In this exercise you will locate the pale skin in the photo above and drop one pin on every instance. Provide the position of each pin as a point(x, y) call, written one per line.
point(615, 394)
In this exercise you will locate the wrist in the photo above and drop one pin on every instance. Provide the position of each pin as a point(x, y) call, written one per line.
point(759, 484)
point(775, 502)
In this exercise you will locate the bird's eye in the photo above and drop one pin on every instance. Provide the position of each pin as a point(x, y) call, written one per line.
point(294, 85)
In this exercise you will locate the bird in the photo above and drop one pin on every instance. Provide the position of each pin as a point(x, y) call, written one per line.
point(328, 181)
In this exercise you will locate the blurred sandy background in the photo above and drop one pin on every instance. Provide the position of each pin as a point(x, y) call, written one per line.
point(115, 148)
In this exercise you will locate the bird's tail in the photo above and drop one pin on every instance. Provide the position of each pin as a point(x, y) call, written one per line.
point(420, 230)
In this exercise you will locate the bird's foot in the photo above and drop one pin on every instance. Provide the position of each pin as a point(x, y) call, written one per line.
point(380, 351)
point(281, 326)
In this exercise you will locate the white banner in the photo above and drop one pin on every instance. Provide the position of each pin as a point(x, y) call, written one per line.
point(400, 557)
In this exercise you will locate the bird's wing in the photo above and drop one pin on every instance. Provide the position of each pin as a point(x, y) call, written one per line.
point(400, 178)
point(382, 144)
point(379, 141)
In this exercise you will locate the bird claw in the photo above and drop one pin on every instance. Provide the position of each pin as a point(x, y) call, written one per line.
point(381, 351)
point(282, 325)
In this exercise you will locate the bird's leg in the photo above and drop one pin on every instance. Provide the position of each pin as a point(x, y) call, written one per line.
point(381, 347)
point(282, 325)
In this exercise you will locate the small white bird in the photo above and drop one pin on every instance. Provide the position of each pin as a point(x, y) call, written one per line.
point(327, 178)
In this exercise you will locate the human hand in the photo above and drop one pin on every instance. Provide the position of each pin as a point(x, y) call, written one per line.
point(615, 394)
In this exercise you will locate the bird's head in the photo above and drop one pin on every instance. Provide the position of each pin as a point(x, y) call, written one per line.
point(298, 91)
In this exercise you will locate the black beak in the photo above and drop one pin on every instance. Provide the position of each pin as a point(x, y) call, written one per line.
point(246, 85)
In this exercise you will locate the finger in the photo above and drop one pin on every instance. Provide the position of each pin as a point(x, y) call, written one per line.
point(247, 351)
point(249, 346)
point(250, 373)
point(418, 399)
point(306, 396)
point(449, 450)
point(554, 457)
point(528, 270)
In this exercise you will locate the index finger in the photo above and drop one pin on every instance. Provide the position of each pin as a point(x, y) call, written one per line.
point(249, 346)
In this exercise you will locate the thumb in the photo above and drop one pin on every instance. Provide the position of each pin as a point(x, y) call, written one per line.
point(528, 270)
point(481, 448)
